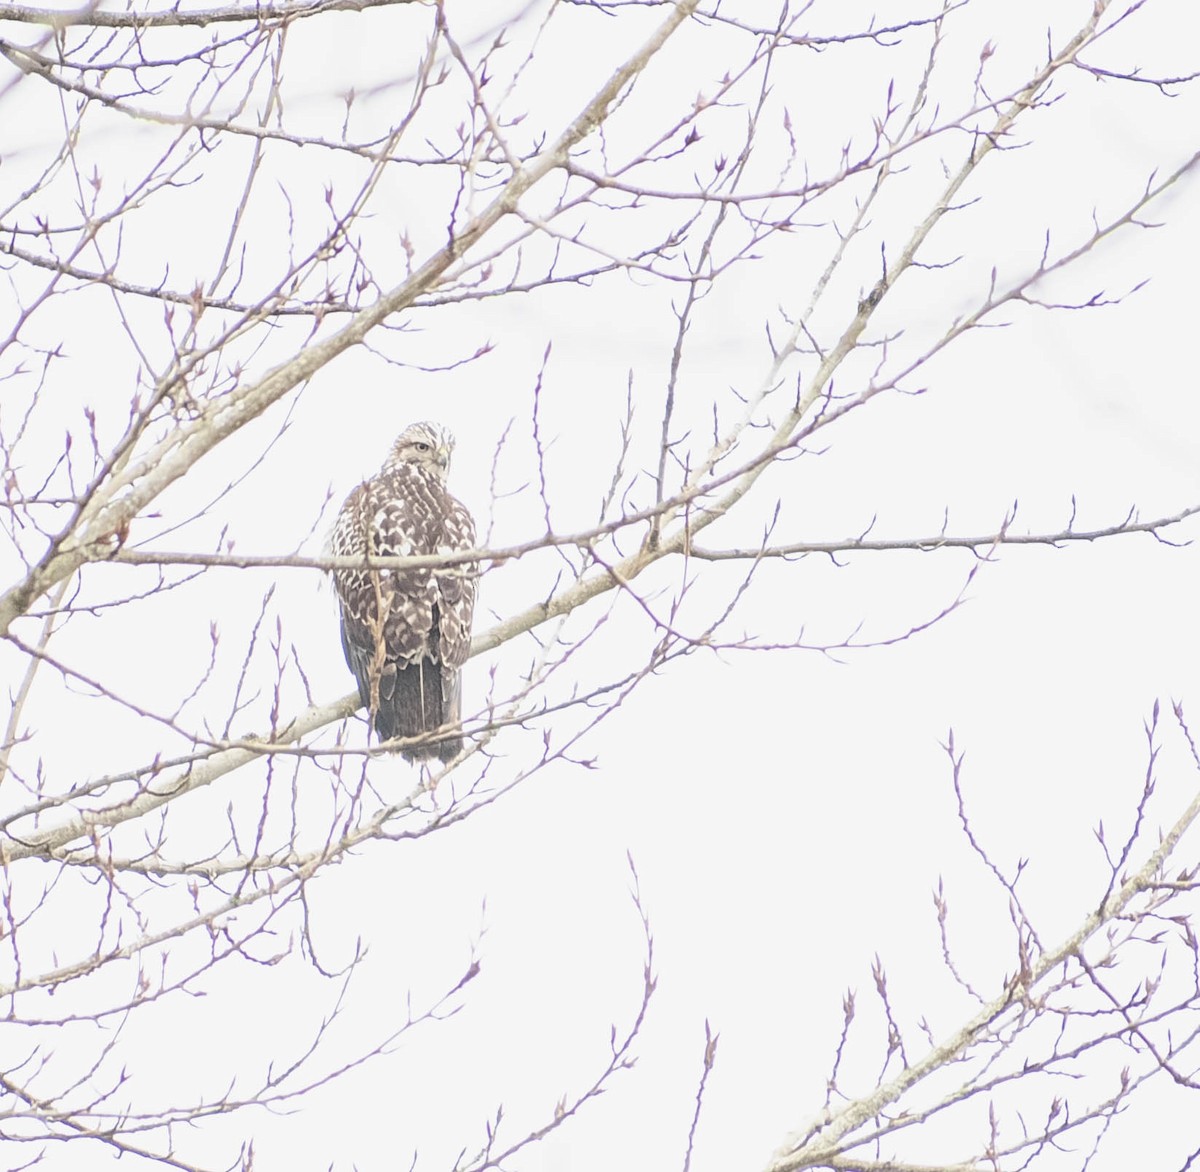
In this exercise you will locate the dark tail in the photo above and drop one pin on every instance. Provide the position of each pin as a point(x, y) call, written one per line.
point(412, 700)
point(419, 699)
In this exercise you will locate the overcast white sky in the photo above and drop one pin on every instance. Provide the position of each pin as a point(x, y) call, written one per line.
point(789, 812)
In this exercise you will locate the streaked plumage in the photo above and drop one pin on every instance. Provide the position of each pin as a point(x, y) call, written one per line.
point(407, 633)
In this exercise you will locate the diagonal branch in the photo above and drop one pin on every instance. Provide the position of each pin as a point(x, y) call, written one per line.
point(820, 1145)
point(111, 509)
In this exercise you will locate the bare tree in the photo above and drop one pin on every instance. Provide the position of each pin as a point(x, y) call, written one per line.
point(232, 236)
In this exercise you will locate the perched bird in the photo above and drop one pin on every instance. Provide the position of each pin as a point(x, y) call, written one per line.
point(407, 633)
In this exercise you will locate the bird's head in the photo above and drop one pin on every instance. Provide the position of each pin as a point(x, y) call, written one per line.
point(428, 445)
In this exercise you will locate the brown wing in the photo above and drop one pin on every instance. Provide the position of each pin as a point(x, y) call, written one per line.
point(457, 586)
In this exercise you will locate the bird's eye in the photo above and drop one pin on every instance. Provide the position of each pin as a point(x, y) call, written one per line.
point(421, 446)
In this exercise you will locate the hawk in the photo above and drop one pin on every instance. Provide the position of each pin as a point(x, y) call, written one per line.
point(407, 633)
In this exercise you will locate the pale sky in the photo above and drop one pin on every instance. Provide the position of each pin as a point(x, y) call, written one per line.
point(790, 810)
